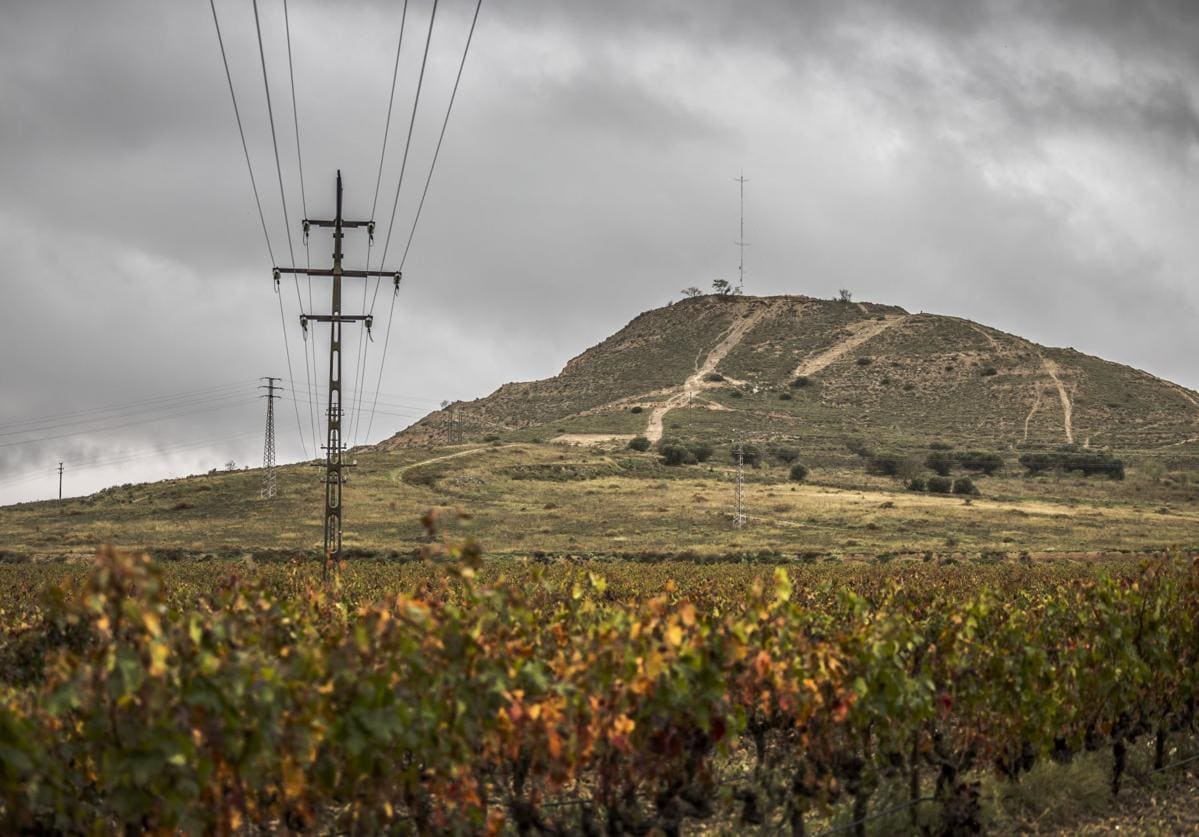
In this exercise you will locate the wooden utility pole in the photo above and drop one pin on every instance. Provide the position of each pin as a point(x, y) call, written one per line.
point(334, 448)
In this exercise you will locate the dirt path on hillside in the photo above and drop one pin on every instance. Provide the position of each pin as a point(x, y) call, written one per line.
point(1051, 370)
point(406, 468)
point(696, 383)
point(986, 334)
point(1036, 405)
point(860, 332)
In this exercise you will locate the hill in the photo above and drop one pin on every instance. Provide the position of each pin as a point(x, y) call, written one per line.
point(544, 467)
point(823, 373)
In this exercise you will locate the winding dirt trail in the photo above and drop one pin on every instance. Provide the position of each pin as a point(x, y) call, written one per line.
point(696, 382)
point(860, 332)
point(1051, 370)
point(1036, 405)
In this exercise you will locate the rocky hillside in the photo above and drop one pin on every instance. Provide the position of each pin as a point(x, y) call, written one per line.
point(825, 373)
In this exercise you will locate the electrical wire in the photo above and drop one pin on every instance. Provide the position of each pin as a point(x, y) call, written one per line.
point(420, 206)
point(127, 405)
point(310, 347)
point(83, 421)
point(286, 227)
point(360, 358)
point(126, 423)
point(257, 202)
point(420, 80)
point(445, 122)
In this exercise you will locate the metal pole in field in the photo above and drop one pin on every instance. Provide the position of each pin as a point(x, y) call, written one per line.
point(60, 480)
point(268, 446)
point(739, 519)
point(334, 478)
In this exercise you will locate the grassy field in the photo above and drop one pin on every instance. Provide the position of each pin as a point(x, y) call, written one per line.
point(528, 498)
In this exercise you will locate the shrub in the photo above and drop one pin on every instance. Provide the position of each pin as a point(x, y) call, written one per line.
point(784, 396)
point(736, 393)
point(940, 485)
point(940, 463)
point(799, 472)
point(637, 409)
point(964, 485)
point(491, 437)
point(1087, 462)
point(714, 377)
point(940, 446)
point(891, 465)
point(784, 453)
point(985, 462)
point(918, 484)
point(639, 443)
point(864, 361)
point(801, 382)
point(702, 451)
point(989, 371)
point(674, 452)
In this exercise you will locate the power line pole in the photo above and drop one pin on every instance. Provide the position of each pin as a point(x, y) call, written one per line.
point(740, 242)
point(739, 518)
point(60, 480)
point(334, 479)
point(268, 445)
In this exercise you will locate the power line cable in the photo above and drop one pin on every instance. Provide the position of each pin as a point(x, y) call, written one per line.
point(420, 206)
point(411, 124)
point(270, 112)
point(360, 359)
point(126, 423)
point(445, 122)
point(128, 405)
point(395, 204)
point(207, 398)
point(310, 347)
point(257, 202)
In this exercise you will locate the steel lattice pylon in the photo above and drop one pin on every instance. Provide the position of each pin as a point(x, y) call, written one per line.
point(268, 446)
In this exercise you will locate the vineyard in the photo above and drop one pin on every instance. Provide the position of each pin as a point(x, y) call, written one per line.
point(458, 695)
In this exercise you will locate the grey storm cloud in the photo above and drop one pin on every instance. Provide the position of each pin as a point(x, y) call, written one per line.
point(1030, 165)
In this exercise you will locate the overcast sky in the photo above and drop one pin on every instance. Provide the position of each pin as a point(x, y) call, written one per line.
point(1029, 165)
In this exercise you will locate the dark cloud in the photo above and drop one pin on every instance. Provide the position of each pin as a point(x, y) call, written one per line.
point(1030, 165)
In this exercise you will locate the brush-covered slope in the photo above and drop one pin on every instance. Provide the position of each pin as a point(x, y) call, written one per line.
point(825, 372)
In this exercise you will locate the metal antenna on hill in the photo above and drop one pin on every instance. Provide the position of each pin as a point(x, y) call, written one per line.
point(740, 242)
point(60, 480)
point(268, 445)
point(334, 479)
point(739, 517)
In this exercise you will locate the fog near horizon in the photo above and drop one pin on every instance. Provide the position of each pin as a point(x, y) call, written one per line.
point(1030, 166)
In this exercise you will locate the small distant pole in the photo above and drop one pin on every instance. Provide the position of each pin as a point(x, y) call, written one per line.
point(740, 242)
point(739, 518)
point(60, 480)
point(451, 431)
point(268, 447)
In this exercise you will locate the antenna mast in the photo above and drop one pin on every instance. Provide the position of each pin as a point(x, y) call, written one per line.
point(740, 242)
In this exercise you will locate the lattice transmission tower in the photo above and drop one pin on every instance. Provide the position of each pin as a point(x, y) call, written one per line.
point(268, 444)
point(334, 448)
